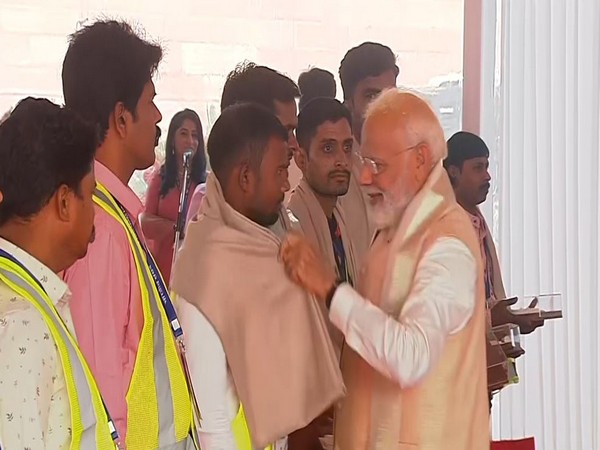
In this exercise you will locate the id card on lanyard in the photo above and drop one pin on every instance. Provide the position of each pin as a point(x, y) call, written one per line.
point(169, 309)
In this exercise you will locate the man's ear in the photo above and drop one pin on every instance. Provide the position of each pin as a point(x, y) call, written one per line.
point(453, 173)
point(63, 200)
point(301, 158)
point(245, 177)
point(119, 117)
point(421, 154)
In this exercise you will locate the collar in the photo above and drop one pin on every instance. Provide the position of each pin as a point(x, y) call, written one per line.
point(51, 282)
point(476, 220)
point(433, 195)
point(121, 192)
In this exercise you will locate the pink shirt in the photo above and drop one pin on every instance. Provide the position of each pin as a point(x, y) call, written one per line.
point(166, 207)
point(106, 305)
point(195, 202)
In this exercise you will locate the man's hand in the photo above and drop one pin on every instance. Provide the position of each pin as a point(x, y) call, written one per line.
point(305, 268)
point(502, 314)
point(527, 322)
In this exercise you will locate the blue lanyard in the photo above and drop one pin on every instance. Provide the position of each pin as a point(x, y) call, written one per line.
point(338, 250)
point(169, 311)
point(4, 254)
point(158, 281)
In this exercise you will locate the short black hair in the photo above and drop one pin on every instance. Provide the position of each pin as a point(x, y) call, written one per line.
point(369, 59)
point(463, 146)
point(317, 112)
point(257, 84)
point(316, 83)
point(42, 147)
point(107, 63)
point(241, 132)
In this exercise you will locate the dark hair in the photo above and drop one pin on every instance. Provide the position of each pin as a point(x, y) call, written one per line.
point(241, 132)
point(107, 63)
point(369, 59)
point(168, 171)
point(42, 147)
point(315, 83)
point(314, 114)
point(257, 84)
point(463, 146)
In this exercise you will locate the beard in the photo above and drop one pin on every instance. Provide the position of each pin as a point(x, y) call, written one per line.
point(392, 205)
point(267, 220)
point(329, 187)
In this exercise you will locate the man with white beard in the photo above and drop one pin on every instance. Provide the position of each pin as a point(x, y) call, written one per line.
point(415, 369)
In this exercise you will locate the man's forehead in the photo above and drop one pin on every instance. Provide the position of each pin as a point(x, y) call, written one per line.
point(277, 147)
point(382, 133)
point(379, 82)
point(338, 129)
point(477, 160)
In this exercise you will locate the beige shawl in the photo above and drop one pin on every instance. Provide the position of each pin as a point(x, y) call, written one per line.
point(306, 208)
point(274, 336)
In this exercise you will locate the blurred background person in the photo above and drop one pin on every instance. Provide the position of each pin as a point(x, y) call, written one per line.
point(164, 189)
point(315, 83)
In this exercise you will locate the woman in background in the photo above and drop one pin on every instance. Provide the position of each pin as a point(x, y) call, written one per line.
point(164, 190)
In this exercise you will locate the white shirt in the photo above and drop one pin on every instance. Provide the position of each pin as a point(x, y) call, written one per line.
point(213, 384)
point(211, 378)
point(441, 302)
point(34, 405)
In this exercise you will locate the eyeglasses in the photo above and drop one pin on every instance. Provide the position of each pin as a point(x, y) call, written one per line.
point(377, 166)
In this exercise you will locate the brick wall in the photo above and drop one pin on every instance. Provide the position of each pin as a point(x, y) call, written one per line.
point(204, 39)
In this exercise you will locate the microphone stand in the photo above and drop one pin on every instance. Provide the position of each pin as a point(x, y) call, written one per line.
point(183, 201)
point(179, 228)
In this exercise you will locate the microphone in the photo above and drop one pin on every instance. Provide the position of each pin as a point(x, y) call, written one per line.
point(187, 158)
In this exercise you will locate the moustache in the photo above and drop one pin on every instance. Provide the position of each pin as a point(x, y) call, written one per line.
point(337, 173)
point(93, 234)
point(485, 186)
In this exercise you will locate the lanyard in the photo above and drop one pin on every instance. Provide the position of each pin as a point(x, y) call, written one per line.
point(158, 280)
point(4, 254)
point(338, 250)
point(11, 258)
point(169, 311)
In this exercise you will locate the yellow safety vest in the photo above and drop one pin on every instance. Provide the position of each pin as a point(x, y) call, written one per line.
point(158, 400)
point(91, 427)
point(241, 432)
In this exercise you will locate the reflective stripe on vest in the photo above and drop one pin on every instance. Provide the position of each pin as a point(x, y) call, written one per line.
point(90, 425)
point(241, 432)
point(159, 408)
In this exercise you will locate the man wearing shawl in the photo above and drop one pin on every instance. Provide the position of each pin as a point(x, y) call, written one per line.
point(414, 361)
point(261, 360)
point(325, 158)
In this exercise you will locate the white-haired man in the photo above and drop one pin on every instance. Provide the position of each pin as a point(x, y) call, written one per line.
point(415, 369)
